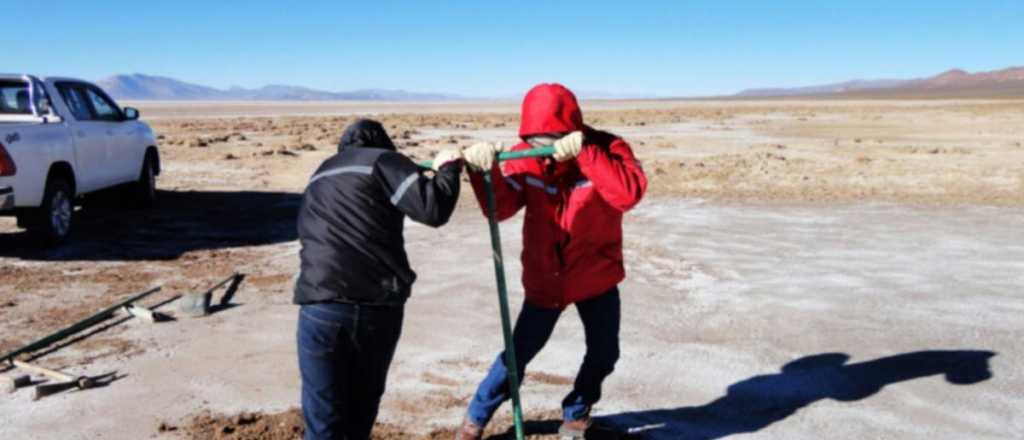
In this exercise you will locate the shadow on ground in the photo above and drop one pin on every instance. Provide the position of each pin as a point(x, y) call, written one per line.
point(182, 221)
point(755, 403)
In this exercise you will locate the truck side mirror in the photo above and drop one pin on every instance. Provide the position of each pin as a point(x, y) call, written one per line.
point(131, 113)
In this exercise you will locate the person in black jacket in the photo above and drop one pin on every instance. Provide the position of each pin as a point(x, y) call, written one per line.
point(355, 275)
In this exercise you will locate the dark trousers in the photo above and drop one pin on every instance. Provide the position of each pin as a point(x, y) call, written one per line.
point(345, 351)
point(601, 317)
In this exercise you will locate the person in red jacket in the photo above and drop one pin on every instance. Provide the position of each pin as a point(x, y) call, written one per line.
point(572, 244)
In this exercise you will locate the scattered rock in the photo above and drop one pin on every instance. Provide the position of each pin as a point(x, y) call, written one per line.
point(406, 134)
point(166, 427)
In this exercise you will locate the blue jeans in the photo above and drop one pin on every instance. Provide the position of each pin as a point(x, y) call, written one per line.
point(345, 351)
point(600, 315)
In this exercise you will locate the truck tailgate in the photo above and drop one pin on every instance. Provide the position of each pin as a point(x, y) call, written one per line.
point(34, 148)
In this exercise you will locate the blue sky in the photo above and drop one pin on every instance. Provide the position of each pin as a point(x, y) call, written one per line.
point(490, 48)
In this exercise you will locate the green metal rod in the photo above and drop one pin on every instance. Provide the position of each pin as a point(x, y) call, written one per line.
point(506, 326)
point(76, 327)
point(499, 274)
point(511, 155)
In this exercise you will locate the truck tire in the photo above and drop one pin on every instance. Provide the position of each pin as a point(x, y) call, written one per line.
point(50, 224)
point(143, 191)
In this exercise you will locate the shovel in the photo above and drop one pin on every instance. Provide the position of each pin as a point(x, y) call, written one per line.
point(499, 274)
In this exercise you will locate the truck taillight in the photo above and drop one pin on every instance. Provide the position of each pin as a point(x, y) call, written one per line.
point(7, 166)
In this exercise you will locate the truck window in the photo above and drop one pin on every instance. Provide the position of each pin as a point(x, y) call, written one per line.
point(14, 98)
point(103, 108)
point(75, 101)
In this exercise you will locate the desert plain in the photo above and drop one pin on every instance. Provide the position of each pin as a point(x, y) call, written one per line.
point(799, 269)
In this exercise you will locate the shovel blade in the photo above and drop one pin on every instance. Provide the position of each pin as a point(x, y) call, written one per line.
point(195, 304)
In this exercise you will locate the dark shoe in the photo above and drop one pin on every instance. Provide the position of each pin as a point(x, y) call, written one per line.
point(574, 429)
point(469, 431)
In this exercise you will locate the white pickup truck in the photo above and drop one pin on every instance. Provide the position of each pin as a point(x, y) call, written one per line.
point(61, 138)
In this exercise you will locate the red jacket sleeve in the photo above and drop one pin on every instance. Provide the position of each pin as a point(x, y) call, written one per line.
point(508, 190)
point(615, 173)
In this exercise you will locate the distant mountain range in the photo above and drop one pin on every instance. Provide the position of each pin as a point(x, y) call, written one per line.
point(145, 87)
point(954, 83)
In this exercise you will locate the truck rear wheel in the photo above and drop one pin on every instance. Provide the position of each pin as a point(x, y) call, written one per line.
point(144, 190)
point(50, 224)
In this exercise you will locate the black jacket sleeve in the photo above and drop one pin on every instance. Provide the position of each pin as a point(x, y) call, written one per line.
point(430, 201)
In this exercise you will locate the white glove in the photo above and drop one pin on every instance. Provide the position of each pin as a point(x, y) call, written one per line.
point(480, 156)
point(569, 146)
point(446, 156)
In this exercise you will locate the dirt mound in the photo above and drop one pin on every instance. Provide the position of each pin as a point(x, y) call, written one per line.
point(206, 425)
point(285, 425)
point(289, 425)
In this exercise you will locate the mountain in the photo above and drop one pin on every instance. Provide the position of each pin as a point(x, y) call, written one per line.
point(955, 83)
point(145, 87)
point(139, 86)
point(857, 84)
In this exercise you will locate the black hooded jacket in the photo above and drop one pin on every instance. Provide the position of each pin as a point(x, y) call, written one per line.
point(352, 215)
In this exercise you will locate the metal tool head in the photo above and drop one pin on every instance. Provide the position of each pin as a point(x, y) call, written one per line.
point(10, 383)
point(47, 389)
point(195, 304)
point(199, 304)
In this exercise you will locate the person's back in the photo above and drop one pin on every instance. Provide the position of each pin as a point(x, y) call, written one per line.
point(352, 216)
point(355, 276)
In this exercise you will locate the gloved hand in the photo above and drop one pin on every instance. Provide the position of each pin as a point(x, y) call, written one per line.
point(444, 157)
point(480, 156)
point(569, 146)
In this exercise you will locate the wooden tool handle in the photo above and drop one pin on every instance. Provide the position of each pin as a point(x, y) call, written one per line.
point(55, 375)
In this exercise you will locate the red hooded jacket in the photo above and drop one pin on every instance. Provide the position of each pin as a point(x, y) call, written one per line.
point(572, 233)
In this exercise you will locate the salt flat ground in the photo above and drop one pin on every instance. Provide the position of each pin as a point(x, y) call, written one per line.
point(880, 297)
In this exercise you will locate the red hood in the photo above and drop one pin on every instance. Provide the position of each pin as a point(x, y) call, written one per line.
point(550, 108)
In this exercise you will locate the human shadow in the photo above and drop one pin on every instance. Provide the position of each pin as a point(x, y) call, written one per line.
point(760, 401)
point(755, 403)
point(181, 222)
